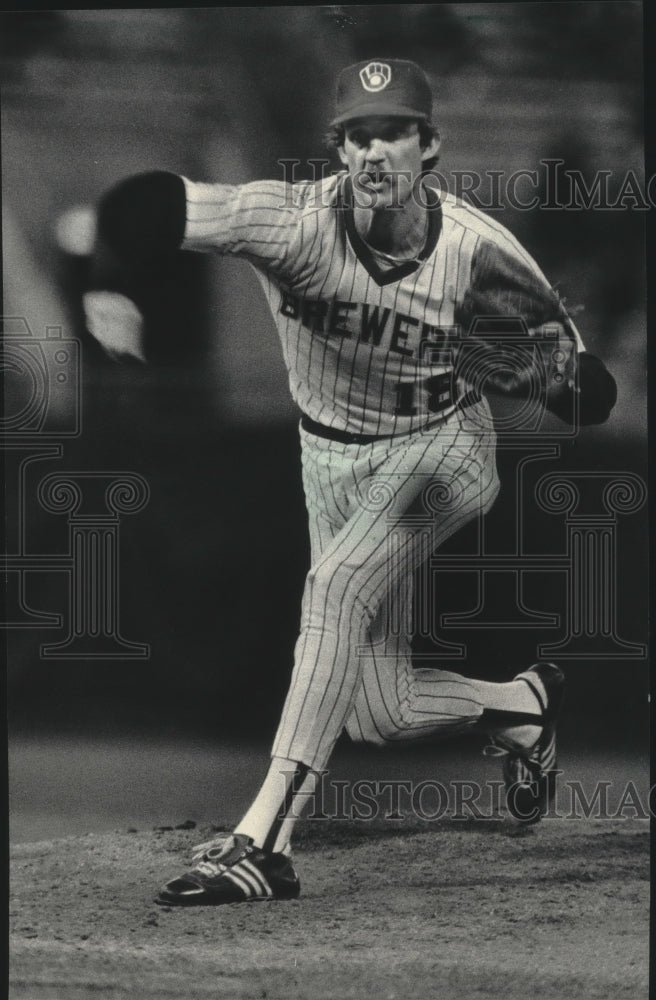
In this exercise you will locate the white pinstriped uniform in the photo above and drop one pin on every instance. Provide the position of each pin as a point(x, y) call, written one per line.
point(367, 351)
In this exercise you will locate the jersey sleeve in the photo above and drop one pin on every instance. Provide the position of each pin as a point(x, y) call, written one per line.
point(505, 281)
point(258, 221)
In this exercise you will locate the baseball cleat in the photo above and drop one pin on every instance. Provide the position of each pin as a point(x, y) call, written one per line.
point(232, 871)
point(530, 773)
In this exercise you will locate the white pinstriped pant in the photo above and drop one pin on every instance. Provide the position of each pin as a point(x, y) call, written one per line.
point(376, 512)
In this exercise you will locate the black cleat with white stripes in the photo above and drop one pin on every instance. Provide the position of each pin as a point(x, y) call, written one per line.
point(530, 776)
point(233, 872)
point(530, 773)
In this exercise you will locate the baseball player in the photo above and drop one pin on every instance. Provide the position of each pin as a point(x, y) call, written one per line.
point(377, 283)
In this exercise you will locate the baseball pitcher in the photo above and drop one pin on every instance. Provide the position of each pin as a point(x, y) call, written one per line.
point(388, 296)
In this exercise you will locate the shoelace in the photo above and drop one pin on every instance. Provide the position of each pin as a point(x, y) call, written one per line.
point(494, 750)
point(211, 865)
point(200, 850)
point(211, 868)
point(497, 749)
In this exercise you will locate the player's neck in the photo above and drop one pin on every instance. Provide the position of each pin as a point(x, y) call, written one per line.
point(397, 232)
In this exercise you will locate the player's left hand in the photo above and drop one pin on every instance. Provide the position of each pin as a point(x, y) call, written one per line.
point(559, 355)
point(546, 363)
point(539, 363)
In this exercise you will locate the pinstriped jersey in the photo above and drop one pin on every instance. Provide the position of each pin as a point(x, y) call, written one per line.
point(368, 342)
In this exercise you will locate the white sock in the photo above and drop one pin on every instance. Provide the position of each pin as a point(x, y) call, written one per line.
point(514, 696)
point(305, 794)
point(277, 806)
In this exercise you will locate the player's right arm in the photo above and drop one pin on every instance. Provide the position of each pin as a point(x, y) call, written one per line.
point(146, 219)
point(140, 225)
point(258, 220)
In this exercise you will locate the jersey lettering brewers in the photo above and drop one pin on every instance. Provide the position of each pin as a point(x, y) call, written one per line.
point(368, 344)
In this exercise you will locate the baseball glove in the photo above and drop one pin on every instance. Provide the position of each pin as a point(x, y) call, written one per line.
point(516, 334)
point(518, 340)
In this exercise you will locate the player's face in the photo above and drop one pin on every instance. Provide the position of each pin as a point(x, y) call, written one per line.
point(384, 156)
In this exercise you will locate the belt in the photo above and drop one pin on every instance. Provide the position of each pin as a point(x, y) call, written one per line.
point(345, 437)
point(334, 434)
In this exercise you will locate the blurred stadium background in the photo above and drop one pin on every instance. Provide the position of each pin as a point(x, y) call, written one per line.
point(212, 568)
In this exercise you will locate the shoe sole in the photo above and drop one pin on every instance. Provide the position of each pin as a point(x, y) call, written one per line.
point(207, 899)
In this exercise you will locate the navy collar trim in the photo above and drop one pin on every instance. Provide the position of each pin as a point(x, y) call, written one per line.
point(363, 252)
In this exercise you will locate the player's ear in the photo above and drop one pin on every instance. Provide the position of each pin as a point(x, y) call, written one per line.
point(432, 149)
point(342, 155)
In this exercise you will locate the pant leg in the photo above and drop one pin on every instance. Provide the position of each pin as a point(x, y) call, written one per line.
point(396, 701)
point(398, 501)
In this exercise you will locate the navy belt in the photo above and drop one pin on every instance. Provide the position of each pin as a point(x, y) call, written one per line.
point(346, 437)
point(334, 434)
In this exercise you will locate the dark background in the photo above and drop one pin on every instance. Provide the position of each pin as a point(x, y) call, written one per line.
point(212, 569)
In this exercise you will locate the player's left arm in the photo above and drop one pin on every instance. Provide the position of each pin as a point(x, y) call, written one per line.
point(572, 381)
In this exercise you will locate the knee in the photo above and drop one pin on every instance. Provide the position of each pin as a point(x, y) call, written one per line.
point(340, 587)
point(365, 732)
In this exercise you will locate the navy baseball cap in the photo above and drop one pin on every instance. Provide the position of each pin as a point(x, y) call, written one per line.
point(393, 87)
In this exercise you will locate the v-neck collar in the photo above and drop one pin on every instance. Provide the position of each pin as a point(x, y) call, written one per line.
point(385, 276)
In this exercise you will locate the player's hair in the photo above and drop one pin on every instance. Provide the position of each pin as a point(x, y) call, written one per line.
point(335, 134)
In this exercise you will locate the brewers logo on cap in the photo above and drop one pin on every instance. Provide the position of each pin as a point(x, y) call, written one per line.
point(383, 87)
point(375, 76)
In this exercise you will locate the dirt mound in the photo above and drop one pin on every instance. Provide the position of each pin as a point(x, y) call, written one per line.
point(450, 910)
